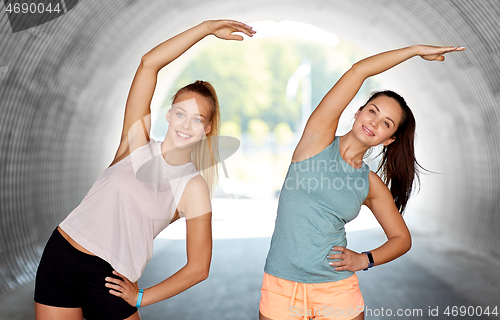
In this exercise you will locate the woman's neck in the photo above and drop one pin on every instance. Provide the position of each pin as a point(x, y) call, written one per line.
point(174, 155)
point(352, 150)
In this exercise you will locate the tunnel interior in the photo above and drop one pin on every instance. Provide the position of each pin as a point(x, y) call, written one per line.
point(62, 82)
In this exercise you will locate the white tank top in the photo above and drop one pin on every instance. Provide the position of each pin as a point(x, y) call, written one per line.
point(126, 208)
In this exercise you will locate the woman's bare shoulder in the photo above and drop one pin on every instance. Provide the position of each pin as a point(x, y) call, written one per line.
point(195, 199)
point(377, 187)
point(196, 185)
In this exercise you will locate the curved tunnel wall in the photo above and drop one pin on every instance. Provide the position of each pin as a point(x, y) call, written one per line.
point(62, 87)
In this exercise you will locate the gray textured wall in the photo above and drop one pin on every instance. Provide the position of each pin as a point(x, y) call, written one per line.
point(61, 101)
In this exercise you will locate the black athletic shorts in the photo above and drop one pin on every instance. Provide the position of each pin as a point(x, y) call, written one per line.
point(69, 278)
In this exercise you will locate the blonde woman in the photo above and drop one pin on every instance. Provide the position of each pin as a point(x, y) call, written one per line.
point(91, 263)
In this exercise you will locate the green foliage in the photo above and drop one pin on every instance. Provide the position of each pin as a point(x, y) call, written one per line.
point(284, 134)
point(230, 128)
point(258, 130)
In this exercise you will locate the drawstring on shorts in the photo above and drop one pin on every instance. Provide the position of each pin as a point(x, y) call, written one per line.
point(294, 293)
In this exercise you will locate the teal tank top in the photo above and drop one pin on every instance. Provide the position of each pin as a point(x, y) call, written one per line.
point(319, 196)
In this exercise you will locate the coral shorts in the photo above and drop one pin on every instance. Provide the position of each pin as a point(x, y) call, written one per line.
point(286, 300)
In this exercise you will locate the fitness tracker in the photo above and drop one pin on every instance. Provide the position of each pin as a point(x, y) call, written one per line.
point(139, 299)
point(370, 260)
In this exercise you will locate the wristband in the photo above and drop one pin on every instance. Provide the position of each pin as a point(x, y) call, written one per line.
point(370, 260)
point(139, 299)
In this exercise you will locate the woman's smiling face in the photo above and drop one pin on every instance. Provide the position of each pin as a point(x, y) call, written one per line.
point(378, 121)
point(189, 119)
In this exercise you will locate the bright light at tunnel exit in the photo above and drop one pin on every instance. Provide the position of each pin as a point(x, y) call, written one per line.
point(267, 28)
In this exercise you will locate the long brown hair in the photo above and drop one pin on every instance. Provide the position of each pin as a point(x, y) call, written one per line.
point(398, 166)
point(205, 155)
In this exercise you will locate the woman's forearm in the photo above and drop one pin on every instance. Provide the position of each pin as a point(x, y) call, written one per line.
point(168, 51)
point(390, 250)
point(183, 279)
point(383, 61)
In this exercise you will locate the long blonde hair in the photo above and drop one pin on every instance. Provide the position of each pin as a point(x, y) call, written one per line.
point(205, 155)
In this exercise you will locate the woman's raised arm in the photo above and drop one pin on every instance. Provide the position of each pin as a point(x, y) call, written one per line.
point(137, 122)
point(171, 49)
point(324, 120)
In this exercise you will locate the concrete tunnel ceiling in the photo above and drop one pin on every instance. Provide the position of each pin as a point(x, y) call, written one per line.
point(62, 81)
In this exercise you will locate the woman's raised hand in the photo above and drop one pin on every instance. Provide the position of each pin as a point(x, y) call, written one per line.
point(433, 53)
point(223, 29)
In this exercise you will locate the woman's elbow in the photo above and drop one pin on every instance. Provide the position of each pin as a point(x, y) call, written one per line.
point(357, 71)
point(146, 62)
point(403, 244)
point(407, 243)
point(356, 68)
point(202, 274)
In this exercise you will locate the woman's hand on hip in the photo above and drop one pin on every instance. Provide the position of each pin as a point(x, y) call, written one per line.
point(433, 53)
point(223, 29)
point(124, 289)
point(350, 260)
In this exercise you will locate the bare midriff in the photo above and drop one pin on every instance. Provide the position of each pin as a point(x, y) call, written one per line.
point(73, 242)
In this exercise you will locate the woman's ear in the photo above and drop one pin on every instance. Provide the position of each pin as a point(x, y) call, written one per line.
point(356, 114)
point(208, 129)
point(169, 113)
point(389, 141)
